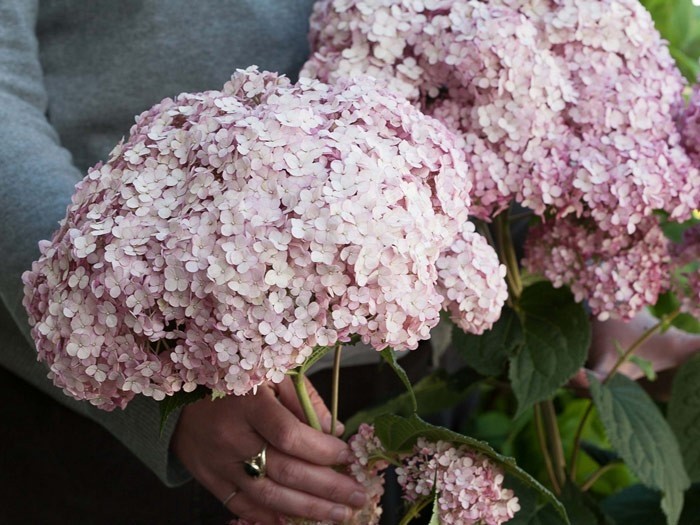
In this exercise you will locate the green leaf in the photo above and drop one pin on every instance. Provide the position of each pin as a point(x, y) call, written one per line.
point(178, 400)
point(435, 513)
point(557, 335)
point(580, 507)
point(635, 505)
point(527, 499)
point(646, 366)
point(317, 353)
point(678, 21)
point(435, 392)
point(601, 456)
point(640, 434)
point(399, 434)
point(668, 303)
point(684, 414)
point(390, 358)
point(546, 516)
point(638, 504)
point(488, 353)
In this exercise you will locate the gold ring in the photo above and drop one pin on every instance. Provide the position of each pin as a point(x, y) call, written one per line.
point(229, 497)
point(255, 466)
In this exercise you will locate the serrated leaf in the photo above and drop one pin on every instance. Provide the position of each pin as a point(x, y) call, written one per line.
point(178, 400)
point(390, 358)
point(644, 440)
point(684, 414)
point(488, 353)
point(435, 392)
point(399, 434)
point(557, 335)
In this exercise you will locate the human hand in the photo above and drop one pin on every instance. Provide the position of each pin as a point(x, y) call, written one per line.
point(213, 438)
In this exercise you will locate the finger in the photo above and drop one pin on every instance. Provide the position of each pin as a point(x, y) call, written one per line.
point(245, 507)
point(237, 502)
point(315, 480)
point(288, 397)
point(269, 494)
point(283, 430)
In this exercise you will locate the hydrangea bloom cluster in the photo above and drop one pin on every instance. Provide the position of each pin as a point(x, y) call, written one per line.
point(564, 105)
point(367, 469)
point(685, 270)
point(618, 274)
point(470, 487)
point(569, 107)
point(235, 230)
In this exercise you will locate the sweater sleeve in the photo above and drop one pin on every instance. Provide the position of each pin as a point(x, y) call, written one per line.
point(37, 178)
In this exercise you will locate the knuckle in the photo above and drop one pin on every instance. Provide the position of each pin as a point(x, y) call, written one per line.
point(290, 474)
point(267, 494)
point(287, 438)
point(315, 511)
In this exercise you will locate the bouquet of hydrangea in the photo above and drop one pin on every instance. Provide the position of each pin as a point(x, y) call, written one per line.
point(237, 232)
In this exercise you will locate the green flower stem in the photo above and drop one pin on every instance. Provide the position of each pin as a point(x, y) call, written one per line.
point(299, 381)
point(549, 416)
point(664, 321)
point(542, 440)
point(506, 252)
point(336, 383)
point(414, 511)
point(596, 476)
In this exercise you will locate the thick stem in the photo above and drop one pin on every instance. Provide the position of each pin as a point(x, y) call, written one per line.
point(506, 252)
point(336, 383)
point(299, 380)
point(596, 476)
point(542, 440)
point(550, 421)
point(621, 361)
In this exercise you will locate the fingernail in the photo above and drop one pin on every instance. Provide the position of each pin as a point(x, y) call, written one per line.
point(345, 456)
point(339, 513)
point(358, 499)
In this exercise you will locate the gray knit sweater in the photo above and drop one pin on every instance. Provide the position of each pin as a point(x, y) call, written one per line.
point(72, 76)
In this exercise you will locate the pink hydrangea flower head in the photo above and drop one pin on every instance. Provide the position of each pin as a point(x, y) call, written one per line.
point(618, 274)
point(469, 486)
point(235, 230)
point(565, 105)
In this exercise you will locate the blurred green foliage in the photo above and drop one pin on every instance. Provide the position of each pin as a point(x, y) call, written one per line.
point(678, 21)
